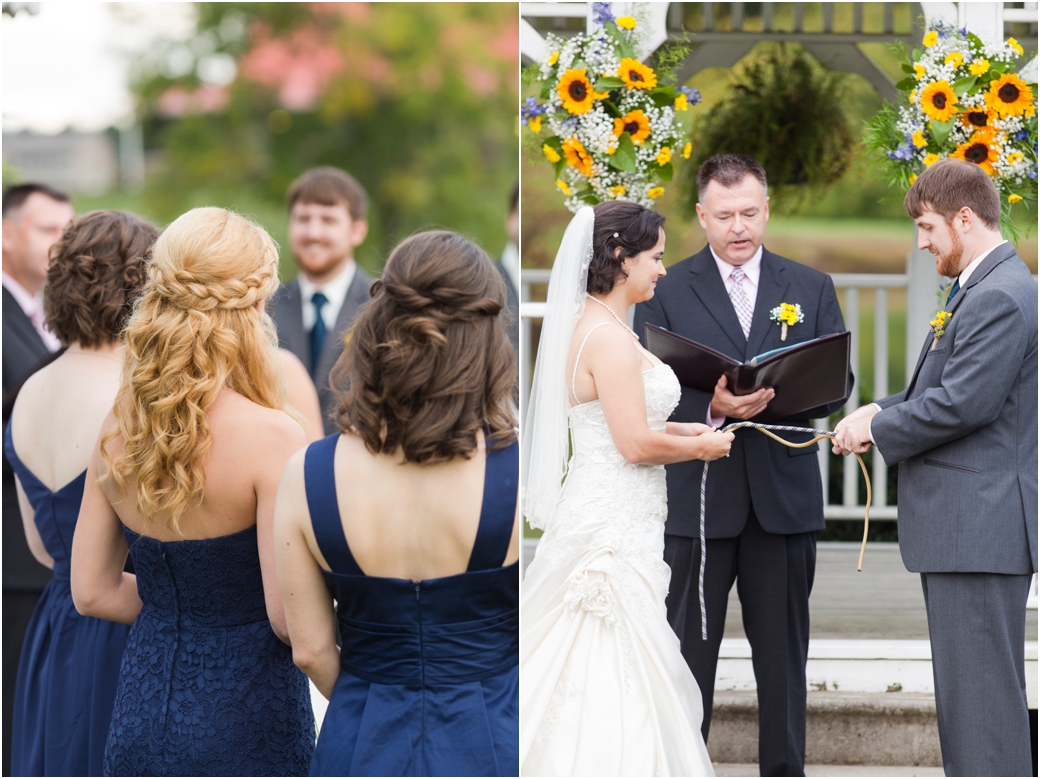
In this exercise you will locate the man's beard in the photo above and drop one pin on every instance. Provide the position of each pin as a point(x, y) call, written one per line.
point(949, 264)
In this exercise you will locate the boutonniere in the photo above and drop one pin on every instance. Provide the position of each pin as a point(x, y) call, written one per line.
point(942, 318)
point(786, 315)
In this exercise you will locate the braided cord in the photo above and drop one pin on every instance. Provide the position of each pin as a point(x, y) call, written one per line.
point(767, 429)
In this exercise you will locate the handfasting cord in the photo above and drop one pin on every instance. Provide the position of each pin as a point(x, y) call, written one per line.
point(767, 429)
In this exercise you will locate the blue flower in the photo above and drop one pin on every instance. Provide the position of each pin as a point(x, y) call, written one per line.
point(1021, 135)
point(902, 152)
point(531, 109)
point(693, 96)
point(601, 13)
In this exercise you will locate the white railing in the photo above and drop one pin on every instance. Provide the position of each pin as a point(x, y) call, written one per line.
point(849, 286)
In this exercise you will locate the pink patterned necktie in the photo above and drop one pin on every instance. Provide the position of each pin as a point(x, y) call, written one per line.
point(741, 302)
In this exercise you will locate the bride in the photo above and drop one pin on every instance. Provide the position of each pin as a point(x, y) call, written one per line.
point(604, 688)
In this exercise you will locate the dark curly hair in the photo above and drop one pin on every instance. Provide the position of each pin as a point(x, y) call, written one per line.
point(97, 271)
point(428, 362)
point(630, 227)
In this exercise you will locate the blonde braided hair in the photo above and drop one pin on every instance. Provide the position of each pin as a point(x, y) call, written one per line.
point(196, 330)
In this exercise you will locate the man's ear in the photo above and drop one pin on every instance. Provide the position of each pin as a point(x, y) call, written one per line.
point(701, 216)
point(358, 231)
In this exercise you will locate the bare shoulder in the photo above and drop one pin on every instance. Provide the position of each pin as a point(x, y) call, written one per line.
point(253, 425)
point(292, 366)
point(613, 343)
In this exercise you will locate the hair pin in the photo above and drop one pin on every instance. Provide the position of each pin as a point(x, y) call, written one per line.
point(615, 235)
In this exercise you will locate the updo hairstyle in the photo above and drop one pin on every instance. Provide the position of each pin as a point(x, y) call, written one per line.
point(195, 331)
point(96, 273)
point(623, 225)
point(428, 362)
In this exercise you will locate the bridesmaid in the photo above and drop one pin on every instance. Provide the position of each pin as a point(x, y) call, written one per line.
point(185, 476)
point(409, 515)
point(70, 664)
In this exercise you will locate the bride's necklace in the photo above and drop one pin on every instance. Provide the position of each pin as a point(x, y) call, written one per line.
point(620, 321)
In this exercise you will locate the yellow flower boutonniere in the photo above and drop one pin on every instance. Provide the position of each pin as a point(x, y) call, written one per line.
point(942, 318)
point(786, 315)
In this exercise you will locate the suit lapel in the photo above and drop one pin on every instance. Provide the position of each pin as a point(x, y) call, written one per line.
point(290, 322)
point(771, 287)
point(708, 286)
point(1001, 253)
point(357, 296)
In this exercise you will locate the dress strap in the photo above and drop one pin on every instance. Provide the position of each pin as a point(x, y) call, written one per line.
point(498, 509)
point(34, 488)
point(574, 373)
point(320, 484)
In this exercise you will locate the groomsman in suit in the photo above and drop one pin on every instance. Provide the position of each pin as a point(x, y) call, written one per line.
point(327, 221)
point(34, 216)
point(764, 501)
point(509, 266)
point(964, 435)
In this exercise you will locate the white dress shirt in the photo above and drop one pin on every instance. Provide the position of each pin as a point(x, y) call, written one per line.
point(962, 280)
point(32, 305)
point(752, 274)
point(334, 289)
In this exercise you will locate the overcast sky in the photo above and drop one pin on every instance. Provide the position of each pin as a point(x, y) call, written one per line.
point(67, 66)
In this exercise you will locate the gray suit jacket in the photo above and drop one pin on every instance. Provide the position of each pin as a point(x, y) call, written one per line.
point(964, 431)
point(286, 309)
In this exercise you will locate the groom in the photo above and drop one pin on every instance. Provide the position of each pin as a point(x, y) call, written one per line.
point(764, 501)
point(964, 435)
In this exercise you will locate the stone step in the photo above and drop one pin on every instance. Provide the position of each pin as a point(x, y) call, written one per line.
point(751, 769)
point(842, 729)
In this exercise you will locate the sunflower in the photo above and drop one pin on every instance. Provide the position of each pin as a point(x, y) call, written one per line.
point(636, 75)
point(1010, 96)
point(636, 124)
point(939, 101)
point(980, 150)
point(577, 157)
point(977, 117)
point(576, 92)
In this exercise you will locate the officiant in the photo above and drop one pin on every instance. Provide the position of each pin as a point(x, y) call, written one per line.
point(765, 501)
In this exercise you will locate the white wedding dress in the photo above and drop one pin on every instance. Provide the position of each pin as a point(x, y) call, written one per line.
point(604, 689)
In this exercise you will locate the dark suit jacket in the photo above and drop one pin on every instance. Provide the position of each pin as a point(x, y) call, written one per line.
point(782, 484)
point(964, 431)
point(23, 350)
point(286, 308)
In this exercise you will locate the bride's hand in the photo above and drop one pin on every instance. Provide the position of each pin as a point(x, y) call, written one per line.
point(714, 445)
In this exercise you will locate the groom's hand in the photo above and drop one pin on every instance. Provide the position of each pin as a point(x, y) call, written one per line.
point(853, 432)
point(725, 404)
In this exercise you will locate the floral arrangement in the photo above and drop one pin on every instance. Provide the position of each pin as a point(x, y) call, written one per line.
point(606, 121)
point(786, 315)
point(963, 100)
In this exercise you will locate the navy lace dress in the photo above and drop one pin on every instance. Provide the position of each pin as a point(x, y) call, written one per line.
point(428, 682)
point(70, 664)
point(206, 687)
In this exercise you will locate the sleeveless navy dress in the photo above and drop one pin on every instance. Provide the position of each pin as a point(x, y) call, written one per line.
point(206, 688)
point(428, 682)
point(70, 663)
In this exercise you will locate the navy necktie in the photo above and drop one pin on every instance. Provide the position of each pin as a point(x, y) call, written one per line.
point(953, 290)
point(319, 331)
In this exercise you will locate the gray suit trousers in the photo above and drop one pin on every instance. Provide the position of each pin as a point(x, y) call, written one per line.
point(977, 625)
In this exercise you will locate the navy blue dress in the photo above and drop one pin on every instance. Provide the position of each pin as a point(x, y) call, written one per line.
point(428, 682)
point(206, 687)
point(70, 664)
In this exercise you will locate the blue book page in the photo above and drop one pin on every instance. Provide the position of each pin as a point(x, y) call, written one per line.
point(760, 358)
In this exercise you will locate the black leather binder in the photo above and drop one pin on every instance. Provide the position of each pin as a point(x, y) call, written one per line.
point(804, 375)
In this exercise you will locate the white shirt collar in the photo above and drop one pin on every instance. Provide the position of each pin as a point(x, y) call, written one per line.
point(25, 299)
point(335, 290)
point(966, 273)
point(511, 264)
point(752, 268)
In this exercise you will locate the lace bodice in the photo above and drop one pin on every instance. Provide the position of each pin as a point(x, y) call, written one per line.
point(589, 432)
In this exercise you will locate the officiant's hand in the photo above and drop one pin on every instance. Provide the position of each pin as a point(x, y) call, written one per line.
point(725, 404)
